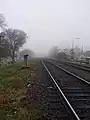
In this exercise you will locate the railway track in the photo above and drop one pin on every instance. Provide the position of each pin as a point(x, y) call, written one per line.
point(57, 106)
point(74, 91)
point(76, 65)
point(85, 74)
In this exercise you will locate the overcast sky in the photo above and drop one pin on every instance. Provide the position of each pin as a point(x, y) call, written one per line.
point(49, 22)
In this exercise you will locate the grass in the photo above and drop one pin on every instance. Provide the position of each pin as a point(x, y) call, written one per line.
point(13, 93)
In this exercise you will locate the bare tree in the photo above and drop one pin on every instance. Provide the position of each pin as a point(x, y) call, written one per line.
point(2, 22)
point(2, 26)
point(4, 47)
point(16, 38)
point(63, 56)
point(54, 51)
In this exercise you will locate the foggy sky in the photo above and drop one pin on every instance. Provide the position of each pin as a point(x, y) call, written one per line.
point(49, 22)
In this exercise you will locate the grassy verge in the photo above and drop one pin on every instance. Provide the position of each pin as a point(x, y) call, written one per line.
point(17, 101)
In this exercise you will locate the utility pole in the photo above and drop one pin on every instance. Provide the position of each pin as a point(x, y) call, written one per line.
point(82, 50)
point(72, 52)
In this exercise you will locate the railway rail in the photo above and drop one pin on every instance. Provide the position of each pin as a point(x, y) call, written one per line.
point(85, 74)
point(77, 65)
point(74, 91)
point(83, 67)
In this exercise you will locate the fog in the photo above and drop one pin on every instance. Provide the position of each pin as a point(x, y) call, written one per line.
point(49, 22)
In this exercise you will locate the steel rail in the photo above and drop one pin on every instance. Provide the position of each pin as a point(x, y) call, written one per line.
point(70, 73)
point(77, 66)
point(85, 68)
point(61, 92)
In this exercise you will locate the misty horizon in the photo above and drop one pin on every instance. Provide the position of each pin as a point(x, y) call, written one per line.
point(49, 23)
